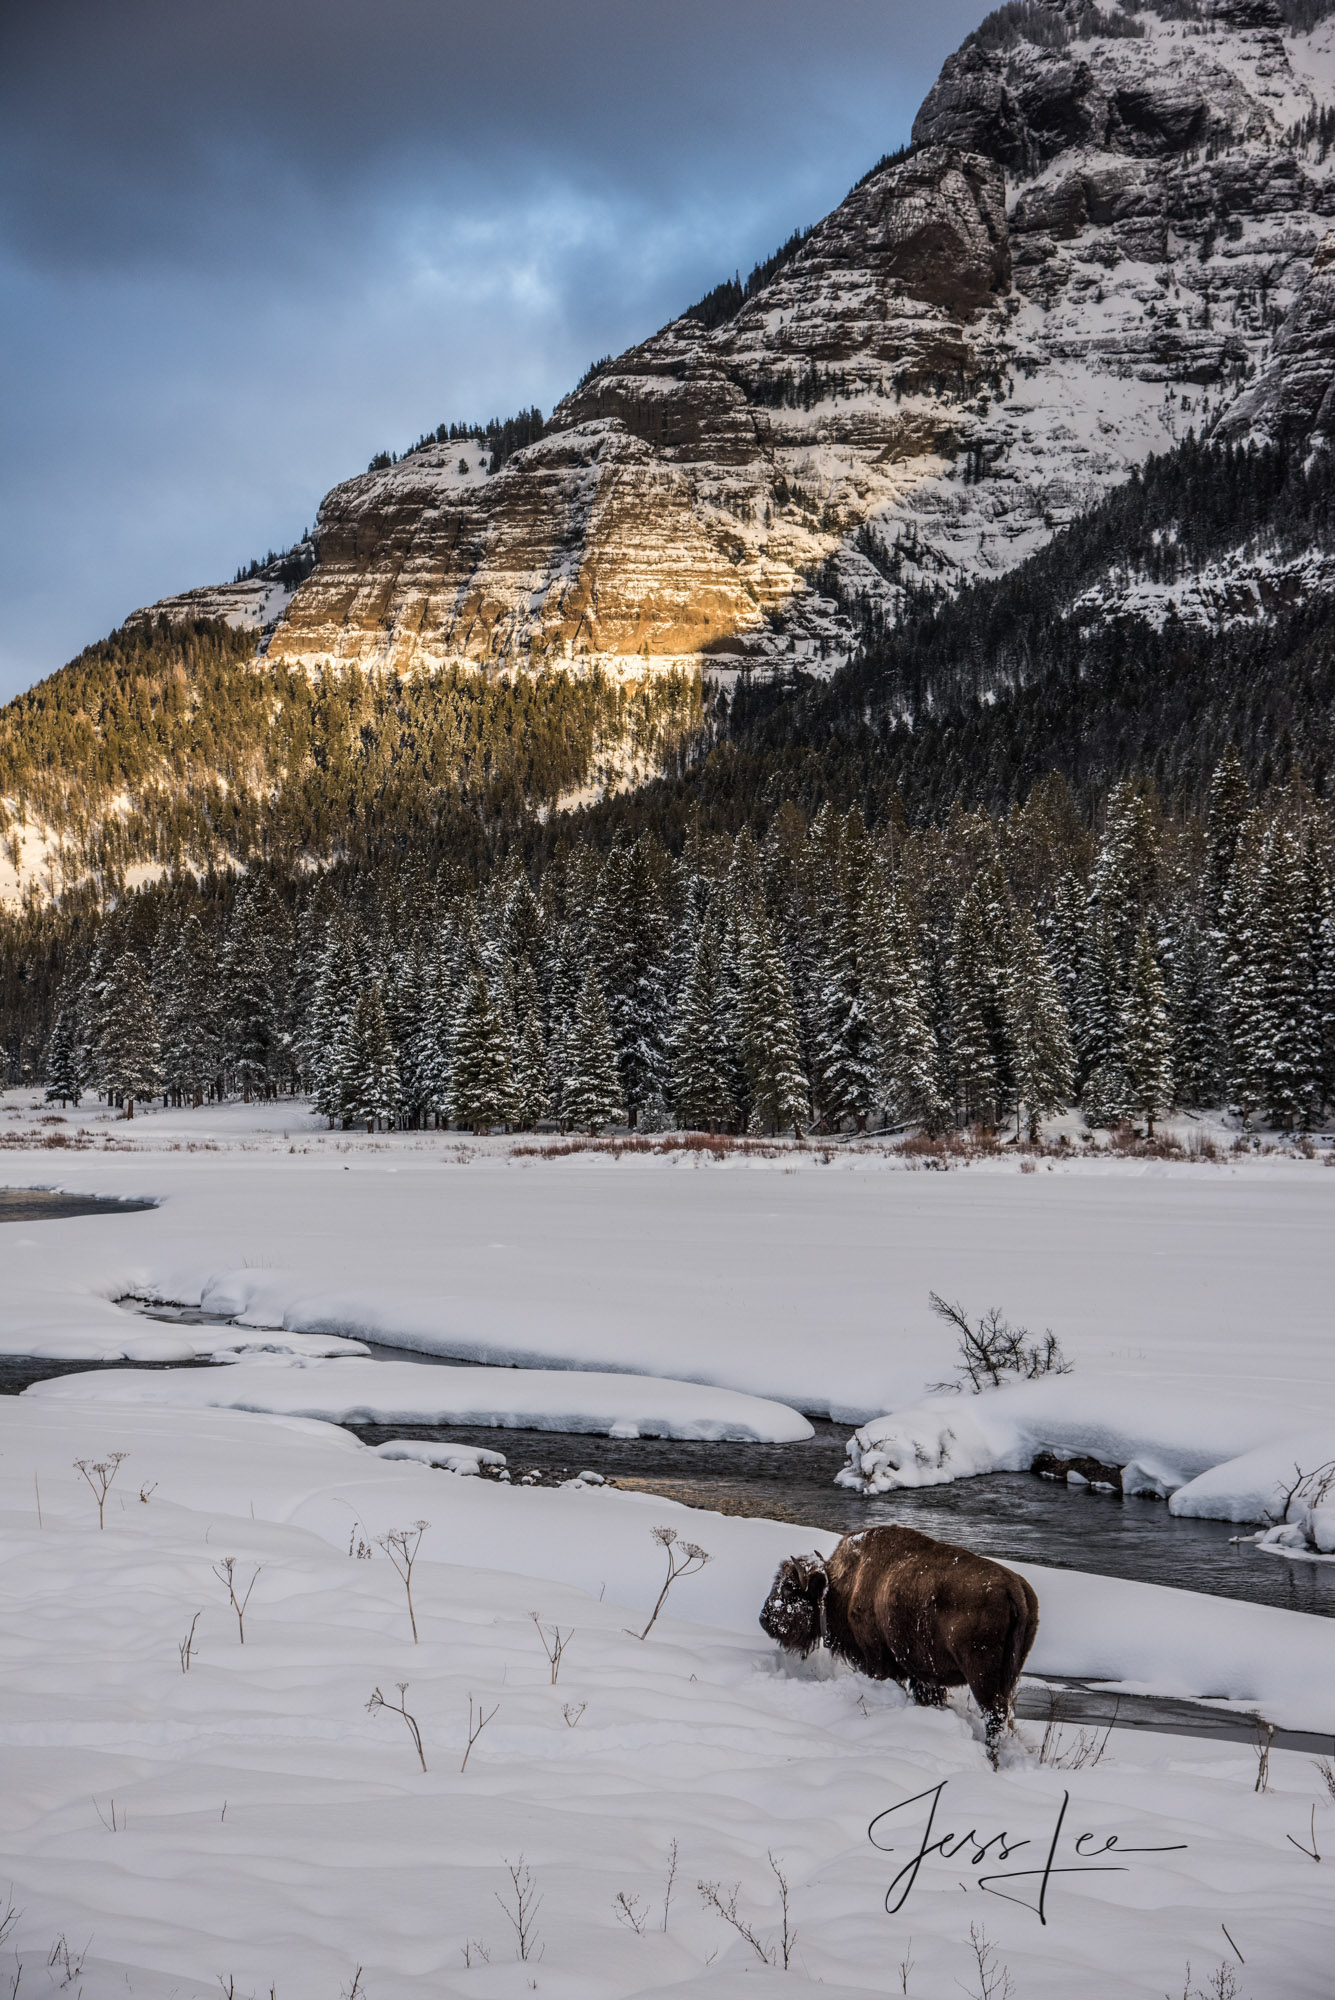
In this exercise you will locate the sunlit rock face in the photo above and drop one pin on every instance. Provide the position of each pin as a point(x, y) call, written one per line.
point(1091, 250)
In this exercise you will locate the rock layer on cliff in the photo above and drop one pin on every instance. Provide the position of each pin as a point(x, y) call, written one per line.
point(1088, 251)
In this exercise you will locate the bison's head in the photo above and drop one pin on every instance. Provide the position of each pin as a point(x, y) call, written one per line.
point(792, 1612)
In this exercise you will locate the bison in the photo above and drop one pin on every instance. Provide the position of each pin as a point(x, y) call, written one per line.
point(900, 1606)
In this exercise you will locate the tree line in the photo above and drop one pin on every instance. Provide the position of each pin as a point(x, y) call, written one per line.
point(829, 977)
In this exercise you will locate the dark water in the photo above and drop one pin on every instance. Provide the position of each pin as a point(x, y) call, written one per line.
point(40, 1205)
point(1013, 1516)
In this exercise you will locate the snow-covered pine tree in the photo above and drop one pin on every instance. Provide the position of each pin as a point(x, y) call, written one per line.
point(702, 1058)
point(250, 1010)
point(971, 979)
point(1194, 1010)
point(63, 1070)
point(845, 1059)
point(1290, 1057)
point(532, 1088)
point(1038, 1034)
point(592, 1093)
point(1128, 879)
point(1238, 946)
point(129, 1052)
point(328, 1025)
point(632, 954)
point(776, 1081)
point(482, 1061)
point(905, 1051)
point(425, 1063)
point(191, 1015)
point(1147, 1036)
point(1226, 810)
point(370, 1067)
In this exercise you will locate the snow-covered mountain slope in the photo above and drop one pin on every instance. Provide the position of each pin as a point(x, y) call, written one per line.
point(1103, 223)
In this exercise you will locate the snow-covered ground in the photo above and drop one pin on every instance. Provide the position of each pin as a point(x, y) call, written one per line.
point(406, 1392)
point(1194, 1301)
point(251, 1824)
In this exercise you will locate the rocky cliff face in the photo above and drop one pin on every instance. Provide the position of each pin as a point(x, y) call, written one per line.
point(1101, 229)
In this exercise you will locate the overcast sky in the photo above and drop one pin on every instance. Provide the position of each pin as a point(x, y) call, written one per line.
point(244, 244)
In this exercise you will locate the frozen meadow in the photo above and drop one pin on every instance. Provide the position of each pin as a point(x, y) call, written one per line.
point(250, 1824)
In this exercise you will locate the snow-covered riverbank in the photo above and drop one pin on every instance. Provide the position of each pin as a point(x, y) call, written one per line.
point(258, 1782)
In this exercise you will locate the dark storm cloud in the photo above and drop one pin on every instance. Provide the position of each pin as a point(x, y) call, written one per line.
point(245, 243)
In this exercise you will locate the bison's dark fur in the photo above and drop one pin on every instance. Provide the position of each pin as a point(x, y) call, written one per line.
point(902, 1607)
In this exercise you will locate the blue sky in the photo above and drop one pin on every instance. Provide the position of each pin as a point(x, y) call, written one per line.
point(244, 244)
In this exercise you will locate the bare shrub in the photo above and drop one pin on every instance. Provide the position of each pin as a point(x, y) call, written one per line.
point(1326, 1772)
point(725, 1906)
point(1265, 1736)
point(401, 1546)
point(521, 1909)
point(100, 1474)
point(992, 1980)
point(65, 1960)
point(992, 1349)
point(398, 1707)
point(683, 1559)
point(573, 1711)
point(631, 1911)
point(475, 1947)
point(225, 1571)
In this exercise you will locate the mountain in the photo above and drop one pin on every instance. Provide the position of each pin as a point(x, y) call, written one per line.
point(867, 527)
point(1087, 252)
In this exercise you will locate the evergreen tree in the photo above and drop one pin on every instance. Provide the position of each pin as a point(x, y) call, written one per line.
point(906, 1054)
point(971, 979)
point(702, 1060)
point(1225, 815)
point(370, 1079)
point(481, 1066)
point(1147, 1036)
point(632, 953)
point(591, 1097)
point(532, 1087)
point(776, 1084)
point(845, 1064)
point(1038, 1034)
point(63, 1071)
point(1287, 941)
point(1194, 1010)
point(250, 1011)
point(129, 1051)
point(191, 1021)
point(1245, 1017)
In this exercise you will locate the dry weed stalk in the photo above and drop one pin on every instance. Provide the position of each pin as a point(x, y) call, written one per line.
point(186, 1649)
point(671, 1879)
point(554, 1642)
point(100, 1473)
point(225, 1571)
point(397, 1708)
point(401, 1546)
point(1265, 1736)
point(1326, 1772)
point(692, 1560)
point(726, 1907)
point(475, 1729)
point(573, 1711)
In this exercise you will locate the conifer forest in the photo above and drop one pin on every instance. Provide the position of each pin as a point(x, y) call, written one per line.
point(1002, 864)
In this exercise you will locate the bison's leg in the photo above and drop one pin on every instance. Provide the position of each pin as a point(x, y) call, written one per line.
point(927, 1694)
point(997, 1722)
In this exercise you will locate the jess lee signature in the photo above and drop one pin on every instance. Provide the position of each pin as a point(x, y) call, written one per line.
point(975, 1848)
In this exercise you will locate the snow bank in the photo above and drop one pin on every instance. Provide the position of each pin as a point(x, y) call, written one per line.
point(407, 1392)
point(466, 1459)
point(1254, 1485)
point(1211, 1454)
point(271, 1833)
